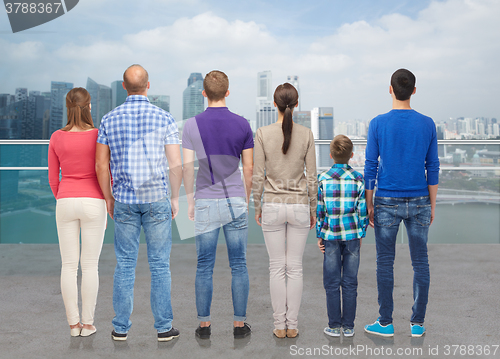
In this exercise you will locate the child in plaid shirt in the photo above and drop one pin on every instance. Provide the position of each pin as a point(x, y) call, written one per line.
point(341, 224)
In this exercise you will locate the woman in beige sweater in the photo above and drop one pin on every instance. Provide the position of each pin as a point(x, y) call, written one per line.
point(282, 151)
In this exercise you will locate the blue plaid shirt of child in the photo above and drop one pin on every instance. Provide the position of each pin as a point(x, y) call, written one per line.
point(341, 212)
point(136, 133)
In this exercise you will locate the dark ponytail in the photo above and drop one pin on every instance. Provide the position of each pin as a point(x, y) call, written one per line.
point(286, 98)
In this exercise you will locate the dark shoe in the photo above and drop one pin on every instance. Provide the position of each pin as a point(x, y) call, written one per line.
point(203, 332)
point(241, 332)
point(166, 336)
point(118, 336)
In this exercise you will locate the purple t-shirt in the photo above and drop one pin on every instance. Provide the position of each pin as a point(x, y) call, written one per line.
point(218, 137)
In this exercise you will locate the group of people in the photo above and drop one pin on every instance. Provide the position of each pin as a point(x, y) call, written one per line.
point(121, 169)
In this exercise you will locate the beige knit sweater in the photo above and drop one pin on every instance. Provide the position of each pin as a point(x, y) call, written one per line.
point(281, 177)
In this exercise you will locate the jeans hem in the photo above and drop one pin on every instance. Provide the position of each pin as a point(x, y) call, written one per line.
point(239, 318)
point(204, 319)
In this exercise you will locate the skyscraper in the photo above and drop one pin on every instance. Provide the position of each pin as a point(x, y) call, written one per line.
point(266, 112)
point(193, 102)
point(100, 98)
point(302, 118)
point(58, 115)
point(118, 94)
point(322, 129)
point(294, 80)
point(162, 101)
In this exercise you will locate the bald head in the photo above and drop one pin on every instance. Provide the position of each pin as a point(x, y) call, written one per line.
point(135, 80)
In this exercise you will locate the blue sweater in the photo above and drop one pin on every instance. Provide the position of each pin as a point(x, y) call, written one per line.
point(406, 143)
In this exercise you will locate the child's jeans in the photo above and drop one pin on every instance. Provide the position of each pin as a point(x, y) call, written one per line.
point(340, 269)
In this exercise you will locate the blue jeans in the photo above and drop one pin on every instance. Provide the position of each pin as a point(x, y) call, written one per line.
point(210, 215)
point(416, 214)
point(156, 220)
point(340, 269)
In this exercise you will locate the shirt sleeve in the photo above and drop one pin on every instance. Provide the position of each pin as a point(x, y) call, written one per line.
point(361, 209)
point(249, 137)
point(371, 157)
point(320, 211)
point(102, 136)
point(432, 159)
point(186, 136)
point(172, 133)
point(258, 172)
point(311, 175)
point(54, 167)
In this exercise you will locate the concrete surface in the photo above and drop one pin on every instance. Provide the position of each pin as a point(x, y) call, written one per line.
point(464, 308)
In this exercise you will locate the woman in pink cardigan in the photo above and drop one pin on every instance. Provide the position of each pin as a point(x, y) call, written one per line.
point(80, 206)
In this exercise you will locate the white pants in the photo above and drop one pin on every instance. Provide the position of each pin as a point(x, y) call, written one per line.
point(89, 215)
point(285, 228)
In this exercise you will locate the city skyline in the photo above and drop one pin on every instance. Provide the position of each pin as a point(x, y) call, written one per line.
point(343, 52)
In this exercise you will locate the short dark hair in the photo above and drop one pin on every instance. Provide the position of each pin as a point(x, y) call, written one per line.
point(216, 85)
point(403, 83)
point(341, 149)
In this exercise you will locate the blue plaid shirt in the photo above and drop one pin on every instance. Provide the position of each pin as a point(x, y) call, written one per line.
point(341, 212)
point(136, 133)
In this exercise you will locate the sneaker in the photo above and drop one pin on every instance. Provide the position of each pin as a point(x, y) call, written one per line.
point(333, 332)
point(348, 332)
point(241, 332)
point(379, 329)
point(417, 330)
point(203, 332)
point(166, 336)
point(118, 336)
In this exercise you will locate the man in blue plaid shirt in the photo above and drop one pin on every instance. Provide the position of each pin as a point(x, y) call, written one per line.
point(136, 140)
point(341, 224)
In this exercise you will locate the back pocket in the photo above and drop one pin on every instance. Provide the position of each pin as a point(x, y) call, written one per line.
point(385, 215)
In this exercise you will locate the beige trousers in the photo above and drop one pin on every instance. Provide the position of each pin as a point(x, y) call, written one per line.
point(89, 215)
point(285, 228)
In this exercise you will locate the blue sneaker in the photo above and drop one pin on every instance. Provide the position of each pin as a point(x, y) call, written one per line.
point(379, 329)
point(348, 332)
point(417, 330)
point(333, 332)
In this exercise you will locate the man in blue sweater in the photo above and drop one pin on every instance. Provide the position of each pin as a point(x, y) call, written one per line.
point(402, 162)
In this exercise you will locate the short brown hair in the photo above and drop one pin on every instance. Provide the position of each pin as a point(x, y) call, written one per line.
point(216, 85)
point(341, 149)
point(136, 79)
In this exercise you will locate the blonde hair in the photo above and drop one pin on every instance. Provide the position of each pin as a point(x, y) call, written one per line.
point(341, 149)
point(78, 106)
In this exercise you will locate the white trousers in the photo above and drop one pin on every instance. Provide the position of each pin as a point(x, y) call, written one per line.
point(88, 215)
point(285, 228)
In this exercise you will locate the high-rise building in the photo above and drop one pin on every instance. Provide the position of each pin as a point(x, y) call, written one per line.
point(193, 102)
point(322, 129)
point(162, 101)
point(266, 112)
point(294, 80)
point(118, 94)
point(58, 114)
point(100, 98)
point(302, 118)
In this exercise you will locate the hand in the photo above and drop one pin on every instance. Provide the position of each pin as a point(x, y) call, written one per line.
point(432, 214)
point(321, 245)
point(258, 219)
point(360, 242)
point(370, 215)
point(174, 203)
point(191, 210)
point(312, 222)
point(110, 205)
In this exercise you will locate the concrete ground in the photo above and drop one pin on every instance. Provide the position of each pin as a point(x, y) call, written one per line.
point(463, 317)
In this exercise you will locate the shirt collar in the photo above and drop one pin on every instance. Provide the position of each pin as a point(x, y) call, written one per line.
point(341, 165)
point(137, 98)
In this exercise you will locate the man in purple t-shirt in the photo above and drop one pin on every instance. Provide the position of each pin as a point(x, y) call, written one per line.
point(219, 138)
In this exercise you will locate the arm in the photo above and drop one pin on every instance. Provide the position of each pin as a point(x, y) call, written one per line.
point(361, 210)
point(312, 179)
point(371, 168)
point(54, 166)
point(258, 175)
point(320, 215)
point(173, 153)
point(247, 163)
point(432, 195)
point(102, 156)
point(369, 205)
point(188, 175)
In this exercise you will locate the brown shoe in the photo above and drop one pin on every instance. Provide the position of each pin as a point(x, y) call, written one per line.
point(280, 333)
point(292, 333)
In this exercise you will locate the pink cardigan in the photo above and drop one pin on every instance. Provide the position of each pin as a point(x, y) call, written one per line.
point(74, 154)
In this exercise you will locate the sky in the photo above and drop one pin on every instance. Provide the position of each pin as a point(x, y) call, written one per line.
point(344, 52)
